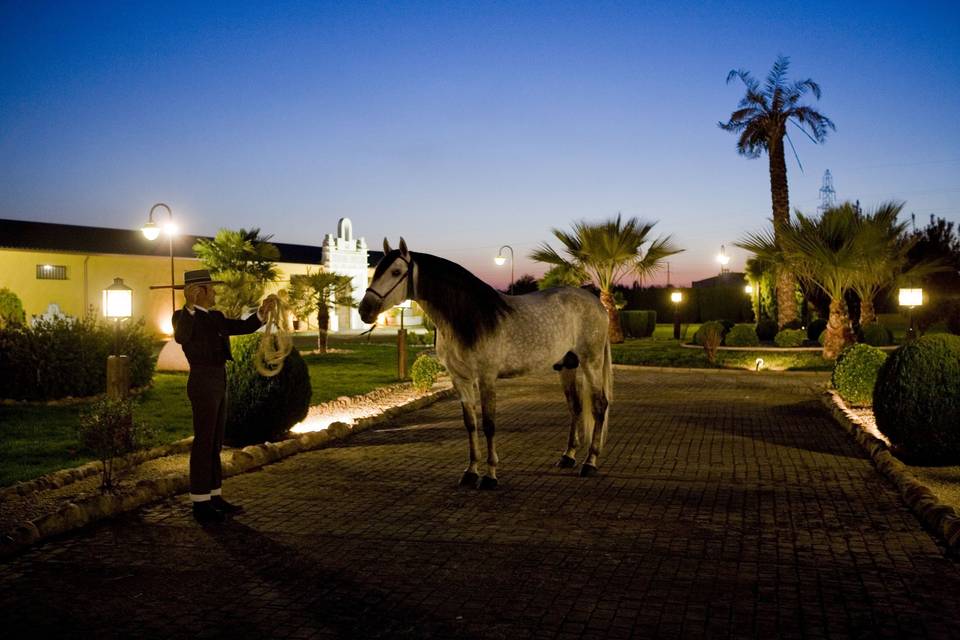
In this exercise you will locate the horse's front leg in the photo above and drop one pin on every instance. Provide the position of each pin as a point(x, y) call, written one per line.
point(468, 401)
point(488, 402)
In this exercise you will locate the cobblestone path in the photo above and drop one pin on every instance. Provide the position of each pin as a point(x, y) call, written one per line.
point(728, 505)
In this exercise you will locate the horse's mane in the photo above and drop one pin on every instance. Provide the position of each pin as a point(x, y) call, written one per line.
point(470, 306)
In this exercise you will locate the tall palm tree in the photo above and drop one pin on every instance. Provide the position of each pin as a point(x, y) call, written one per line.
point(315, 293)
point(828, 252)
point(245, 261)
point(761, 120)
point(605, 252)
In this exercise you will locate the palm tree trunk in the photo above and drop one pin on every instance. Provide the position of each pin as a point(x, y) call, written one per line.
point(780, 199)
point(867, 313)
point(615, 332)
point(323, 325)
point(839, 331)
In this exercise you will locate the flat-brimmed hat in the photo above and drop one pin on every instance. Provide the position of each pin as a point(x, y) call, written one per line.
point(197, 276)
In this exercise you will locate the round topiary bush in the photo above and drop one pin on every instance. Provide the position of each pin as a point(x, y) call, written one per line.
point(916, 399)
point(766, 329)
point(790, 338)
point(711, 325)
point(877, 335)
point(855, 373)
point(815, 328)
point(263, 409)
point(742, 335)
point(425, 371)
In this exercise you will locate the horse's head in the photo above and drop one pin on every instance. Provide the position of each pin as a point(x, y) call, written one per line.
point(391, 284)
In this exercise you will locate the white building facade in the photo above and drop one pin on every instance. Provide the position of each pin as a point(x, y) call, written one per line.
point(348, 257)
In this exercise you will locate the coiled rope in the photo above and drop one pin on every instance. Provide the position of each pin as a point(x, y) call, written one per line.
point(275, 341)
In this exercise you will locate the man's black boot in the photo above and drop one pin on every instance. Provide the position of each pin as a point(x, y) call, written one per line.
point(205, 513)
point(225, 507)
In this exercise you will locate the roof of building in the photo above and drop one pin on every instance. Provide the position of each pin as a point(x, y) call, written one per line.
point(46, 236)
point(726, 279)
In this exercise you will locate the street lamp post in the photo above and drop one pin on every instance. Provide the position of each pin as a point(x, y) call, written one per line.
point(911, 298)
point(118, 306)
point(500, 259)
point(676, 297)
point(151, 231)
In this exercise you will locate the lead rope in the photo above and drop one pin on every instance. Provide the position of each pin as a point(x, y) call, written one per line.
point(275, 341)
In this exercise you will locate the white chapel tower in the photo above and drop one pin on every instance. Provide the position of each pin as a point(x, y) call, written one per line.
point(346, 256)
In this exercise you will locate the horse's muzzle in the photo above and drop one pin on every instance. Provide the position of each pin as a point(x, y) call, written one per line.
point(369, 309)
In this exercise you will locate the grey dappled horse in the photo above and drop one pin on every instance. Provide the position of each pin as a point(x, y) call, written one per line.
point(483, 335)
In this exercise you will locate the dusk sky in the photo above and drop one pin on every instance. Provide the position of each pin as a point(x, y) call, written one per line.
point(464, 126)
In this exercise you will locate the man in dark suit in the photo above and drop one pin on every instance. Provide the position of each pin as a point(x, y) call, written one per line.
point(204, 335)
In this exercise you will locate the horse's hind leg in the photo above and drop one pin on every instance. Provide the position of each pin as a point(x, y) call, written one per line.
point(468, 401)
point(488, 402)
point(599, 404)
point(571, 390)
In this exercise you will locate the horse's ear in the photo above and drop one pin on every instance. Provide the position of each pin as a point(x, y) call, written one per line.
point(403, 248)
point(386, 246)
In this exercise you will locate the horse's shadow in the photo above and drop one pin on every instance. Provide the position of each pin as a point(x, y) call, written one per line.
point(333, 601)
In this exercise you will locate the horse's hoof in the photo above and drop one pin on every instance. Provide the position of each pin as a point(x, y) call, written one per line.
point(469, 479)
point(588, 471)
point(487, 483)
point(566, 462)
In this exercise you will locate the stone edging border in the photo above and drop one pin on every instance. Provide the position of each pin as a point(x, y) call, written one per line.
point(76, 515)
point(940, 518)
point(686, 345)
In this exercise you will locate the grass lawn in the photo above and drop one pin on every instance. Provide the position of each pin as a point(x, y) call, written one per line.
point(39, 439)
point(663, 352)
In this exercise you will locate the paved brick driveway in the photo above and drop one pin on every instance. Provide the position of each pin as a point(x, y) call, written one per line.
point(728, 506)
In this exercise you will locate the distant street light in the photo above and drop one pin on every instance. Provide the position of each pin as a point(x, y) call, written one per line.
point(748, 289)
point(676, 297)
point(502, 259)
point(151, 232)
point(723, 259)
point(911, 298)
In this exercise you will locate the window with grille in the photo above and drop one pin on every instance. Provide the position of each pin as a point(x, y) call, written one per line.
point(51, 272)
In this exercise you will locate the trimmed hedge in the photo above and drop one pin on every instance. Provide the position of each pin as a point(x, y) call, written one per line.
point(877, 335)
point(638, 324)
point(261, 409)
point(707, 326)
point(855, 373)
point(65, 357)
point(742, 335)
point(916, 400)
point(766, 329)
point(425, 371)
point(790, 338)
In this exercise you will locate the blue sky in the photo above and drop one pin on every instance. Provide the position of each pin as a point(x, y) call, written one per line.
point(463, 126)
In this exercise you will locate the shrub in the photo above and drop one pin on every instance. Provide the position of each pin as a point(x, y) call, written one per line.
point(425, 371)
point(953, 316)
point(109, 429)
point(62, 357)
point(877, 335)
point(742, 335)
point(713, 325)
point(815, 328)
point(790, 338)
point(916, 400)
point(822, 337)
point(263, 409)
point(855, 373)
point(638, 324)
point(766, 329)
point(11, 309)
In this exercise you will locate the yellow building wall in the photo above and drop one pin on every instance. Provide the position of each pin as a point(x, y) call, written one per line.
point(89, 274)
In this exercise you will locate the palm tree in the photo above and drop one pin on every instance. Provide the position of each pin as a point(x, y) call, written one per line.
point(315, 293)
point(245, 261)
point(605, 252)
point(829, 253)
point(880, 228)
point(761, 120)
